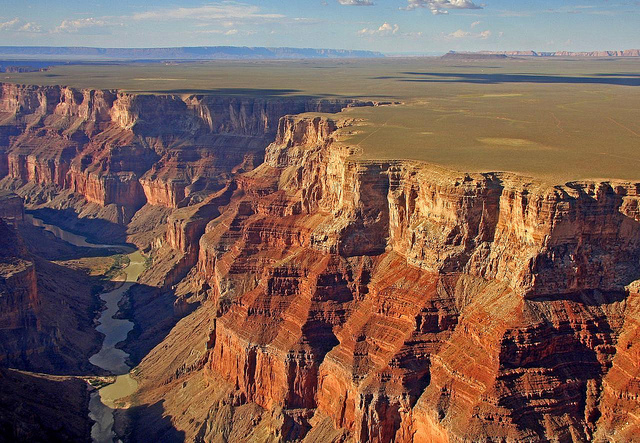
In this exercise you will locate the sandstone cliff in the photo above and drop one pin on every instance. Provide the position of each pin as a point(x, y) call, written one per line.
point(299, 293)
point(123, 150)
point(397, 301)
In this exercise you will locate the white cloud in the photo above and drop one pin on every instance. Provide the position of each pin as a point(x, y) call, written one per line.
point(18, 25)
point(356, 2)
point(212, 12)
point(31, 27)
point(384, 30)
point(438, 7)
point(460, 34)
point(474, 24)
point(72, 26)
point(10, 25)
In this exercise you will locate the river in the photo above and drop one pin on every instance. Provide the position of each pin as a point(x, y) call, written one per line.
point(102, 404)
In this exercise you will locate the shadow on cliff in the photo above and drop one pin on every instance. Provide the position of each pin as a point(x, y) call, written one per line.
point(493, 79)
point(96, 230)
point(570, 370)
point(149, 423)
point(586, 297)
point(46, 245)
point(154, 312)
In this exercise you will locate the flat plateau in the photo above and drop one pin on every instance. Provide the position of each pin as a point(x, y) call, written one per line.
point(559, 120)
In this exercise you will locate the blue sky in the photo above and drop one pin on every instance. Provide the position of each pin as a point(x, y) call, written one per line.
point(381, 25)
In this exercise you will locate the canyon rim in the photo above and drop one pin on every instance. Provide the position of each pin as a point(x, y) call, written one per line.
point(228, 238)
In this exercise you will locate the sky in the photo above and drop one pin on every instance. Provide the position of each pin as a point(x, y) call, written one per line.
point(390, 26)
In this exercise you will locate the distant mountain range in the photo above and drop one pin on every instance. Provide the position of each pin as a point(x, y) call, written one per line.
point(624, 53)
point(180, 53)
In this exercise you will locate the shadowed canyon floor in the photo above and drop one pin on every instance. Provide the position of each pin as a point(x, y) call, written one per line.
point(305, 279)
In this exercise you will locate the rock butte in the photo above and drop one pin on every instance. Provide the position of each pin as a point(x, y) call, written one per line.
point(318, 297)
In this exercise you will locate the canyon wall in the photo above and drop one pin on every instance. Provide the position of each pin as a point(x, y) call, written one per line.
point(46, 310)
point(398, 301)
point(328, 298)
point(541, 239)
point(126, 150)
point(20, 301)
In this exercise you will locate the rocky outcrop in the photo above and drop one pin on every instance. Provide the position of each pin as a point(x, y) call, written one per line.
point(620, 401)
point(541, 239)
point(11, 207)
point(46, 311)
point(397, 301)
point(126, 150)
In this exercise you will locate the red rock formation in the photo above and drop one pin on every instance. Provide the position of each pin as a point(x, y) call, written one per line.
point(620, 402)
point(377, 301)
point(127, 149)
point(401, 302)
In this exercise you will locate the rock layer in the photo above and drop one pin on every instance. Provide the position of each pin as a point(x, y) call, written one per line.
point(329, 298)
point(122, 149)
point(397, 301)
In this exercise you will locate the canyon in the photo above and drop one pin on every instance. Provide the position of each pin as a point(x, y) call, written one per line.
point(296, 292)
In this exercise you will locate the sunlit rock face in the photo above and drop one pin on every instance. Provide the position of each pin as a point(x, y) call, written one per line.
point(332, 299)
point(123, 149)
point(396, 301)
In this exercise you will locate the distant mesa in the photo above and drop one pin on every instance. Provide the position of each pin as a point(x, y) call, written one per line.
point(624, 53)
point(180, 53)
point(453, 55)
point(31, 57)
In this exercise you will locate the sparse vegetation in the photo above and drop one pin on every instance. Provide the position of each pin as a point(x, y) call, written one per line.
point(120, 262)
point(556, 119)
point(148, 261)
point(101, 382)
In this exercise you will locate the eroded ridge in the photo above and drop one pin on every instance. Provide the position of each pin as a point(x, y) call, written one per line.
point(398, 301)
point(122, 150)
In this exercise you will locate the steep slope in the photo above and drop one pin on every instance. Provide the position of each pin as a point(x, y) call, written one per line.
point(397, 301)
point(46, 311)
point(120, 151)
point(39, 408)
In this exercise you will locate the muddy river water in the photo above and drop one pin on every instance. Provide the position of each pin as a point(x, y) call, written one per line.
point(103, 401)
